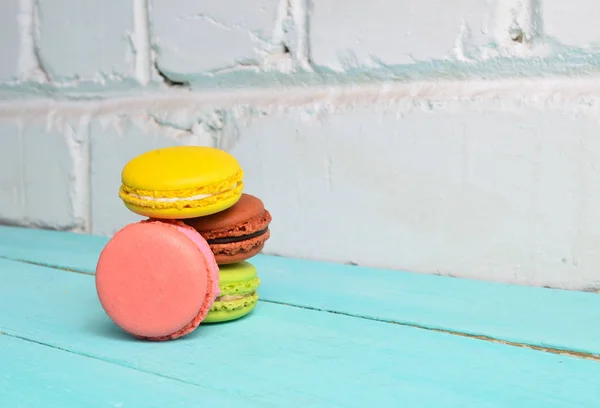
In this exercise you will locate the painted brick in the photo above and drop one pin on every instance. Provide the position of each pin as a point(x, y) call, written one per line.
point(572, 22)
point(9, 39)
point(48, 183)
point(193, 36)
point(82, 39)
point(36, 171)
point(11, 176)
point(393, 32)
point(110, 151)
point(496, 196)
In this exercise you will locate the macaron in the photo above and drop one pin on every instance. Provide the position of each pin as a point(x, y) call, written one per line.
point(181, 182)
point(237, 233)
point(238, 284)
point(157, 280)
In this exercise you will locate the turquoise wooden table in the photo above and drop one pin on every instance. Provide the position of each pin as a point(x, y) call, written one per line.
point(323, 335)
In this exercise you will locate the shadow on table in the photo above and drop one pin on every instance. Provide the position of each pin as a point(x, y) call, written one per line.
point(101, 326)
point(104, 327)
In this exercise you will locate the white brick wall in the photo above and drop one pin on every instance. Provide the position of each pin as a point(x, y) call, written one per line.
point(85, 39)
point(572, 23)
point(194, 37)
point(9, 39)
point(35, 188)
point(458, 139)
point(382, 31)
point(458, 193)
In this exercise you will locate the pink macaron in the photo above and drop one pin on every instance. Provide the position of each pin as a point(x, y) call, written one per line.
point(157, 280)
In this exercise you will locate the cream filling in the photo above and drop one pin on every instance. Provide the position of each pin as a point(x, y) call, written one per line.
point(174, 199)
point(228, 298)
point(171, 199)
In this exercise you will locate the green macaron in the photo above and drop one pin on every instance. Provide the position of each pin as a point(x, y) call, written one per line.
point(238, 283)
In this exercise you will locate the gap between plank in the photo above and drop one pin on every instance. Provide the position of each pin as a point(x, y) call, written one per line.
point(552, 350)
point(587, 356)
point(46, 265)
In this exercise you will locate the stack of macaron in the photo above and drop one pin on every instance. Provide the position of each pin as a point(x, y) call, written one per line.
point(159, 278)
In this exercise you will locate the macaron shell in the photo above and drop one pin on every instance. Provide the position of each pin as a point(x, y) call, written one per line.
point(153, 281)
point(226, 315)
point(240, 272)
point(175, 213)
point(179, 168)
point(236, 279)
point(213, 281)
point(239, 288)
point(247, 209)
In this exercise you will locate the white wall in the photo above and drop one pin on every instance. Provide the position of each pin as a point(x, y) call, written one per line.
point(460, 138)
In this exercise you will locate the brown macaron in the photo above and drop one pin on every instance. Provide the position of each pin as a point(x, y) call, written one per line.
point(237, 233)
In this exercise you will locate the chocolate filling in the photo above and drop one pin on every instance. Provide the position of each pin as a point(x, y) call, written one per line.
point(230, 240)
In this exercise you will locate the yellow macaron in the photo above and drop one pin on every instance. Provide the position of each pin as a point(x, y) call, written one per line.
point(181, 182)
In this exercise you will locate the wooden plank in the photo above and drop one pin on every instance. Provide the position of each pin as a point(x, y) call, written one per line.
point(34, 375)
point(295, 357)
point(534, 316)
point(54, 248)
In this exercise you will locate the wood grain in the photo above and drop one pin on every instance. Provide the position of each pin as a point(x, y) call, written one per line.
point(285, 356)
point(533, 316)
point(34, 375)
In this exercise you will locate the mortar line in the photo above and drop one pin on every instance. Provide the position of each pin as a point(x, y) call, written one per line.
point(141, 41)
point(549, 93)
